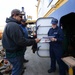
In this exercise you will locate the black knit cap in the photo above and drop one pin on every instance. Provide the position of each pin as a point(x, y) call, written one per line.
point(16, 12)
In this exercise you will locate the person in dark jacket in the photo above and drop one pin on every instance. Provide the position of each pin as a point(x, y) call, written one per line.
point(25, 32)
point(13, 41)
point(56, 50)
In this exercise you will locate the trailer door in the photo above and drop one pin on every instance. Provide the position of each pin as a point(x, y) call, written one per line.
point(43, 26)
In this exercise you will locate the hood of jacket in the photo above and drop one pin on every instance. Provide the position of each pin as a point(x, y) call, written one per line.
point(10, 19)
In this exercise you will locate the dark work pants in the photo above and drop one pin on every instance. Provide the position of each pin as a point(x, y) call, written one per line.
point(55, 55)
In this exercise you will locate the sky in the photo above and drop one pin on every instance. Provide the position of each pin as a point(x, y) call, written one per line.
point(6, 7)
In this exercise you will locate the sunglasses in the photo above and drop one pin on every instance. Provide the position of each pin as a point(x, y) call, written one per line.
point(20, 16)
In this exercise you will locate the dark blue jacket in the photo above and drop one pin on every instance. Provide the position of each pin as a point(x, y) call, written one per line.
point(58, 34)
point(24, 30)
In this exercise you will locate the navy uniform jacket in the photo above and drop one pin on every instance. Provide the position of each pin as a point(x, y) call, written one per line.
point(58, 34)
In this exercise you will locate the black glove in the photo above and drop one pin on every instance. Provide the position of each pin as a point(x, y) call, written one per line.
point(34, 47)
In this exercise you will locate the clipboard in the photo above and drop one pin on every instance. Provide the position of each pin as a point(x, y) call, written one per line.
point(48, 37)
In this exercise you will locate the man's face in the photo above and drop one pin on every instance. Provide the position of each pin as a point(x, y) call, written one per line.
point(18, 17)
point(54, 26)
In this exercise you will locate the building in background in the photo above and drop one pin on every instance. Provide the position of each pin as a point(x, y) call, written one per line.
point(45, 7)
point(64, 11)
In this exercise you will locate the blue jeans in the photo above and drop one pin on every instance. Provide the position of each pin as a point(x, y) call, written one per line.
point(17, 63)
